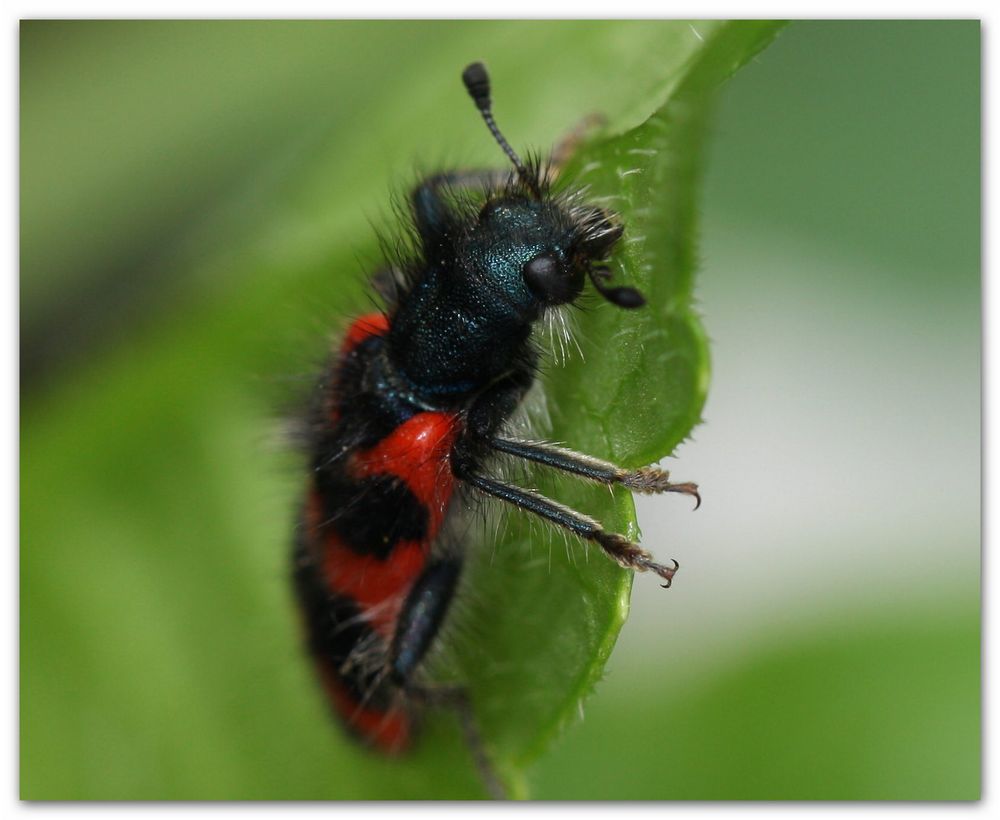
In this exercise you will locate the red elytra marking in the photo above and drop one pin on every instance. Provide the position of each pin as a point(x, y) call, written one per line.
point(371, 324)
point(378, 586)
point(388, 731)
point(418, 452)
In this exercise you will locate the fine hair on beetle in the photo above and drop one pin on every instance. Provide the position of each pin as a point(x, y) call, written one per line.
point(589, 232)
point(413, 418)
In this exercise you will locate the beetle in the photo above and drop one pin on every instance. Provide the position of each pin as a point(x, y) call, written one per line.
point(415, 402)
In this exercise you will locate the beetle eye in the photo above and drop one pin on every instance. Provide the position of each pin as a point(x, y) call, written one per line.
point(547, 281)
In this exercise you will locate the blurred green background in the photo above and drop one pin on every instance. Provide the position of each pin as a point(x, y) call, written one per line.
point(825, 640)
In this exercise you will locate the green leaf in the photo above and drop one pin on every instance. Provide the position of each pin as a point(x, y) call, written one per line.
point(160, 654)
point(858, 710)
point(634, 392)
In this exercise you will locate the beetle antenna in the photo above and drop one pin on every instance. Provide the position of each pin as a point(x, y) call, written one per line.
point(477, 83)
point(622, 296)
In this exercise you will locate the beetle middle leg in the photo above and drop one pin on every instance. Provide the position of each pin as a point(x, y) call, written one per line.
point(419, 622)
point(456, 698)
point(626, 553)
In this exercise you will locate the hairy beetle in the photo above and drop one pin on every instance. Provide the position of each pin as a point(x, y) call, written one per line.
point(414, 403)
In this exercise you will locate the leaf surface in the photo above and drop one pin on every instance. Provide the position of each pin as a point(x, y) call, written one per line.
point(160, 649)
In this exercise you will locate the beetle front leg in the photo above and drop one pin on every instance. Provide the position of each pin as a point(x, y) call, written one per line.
point(644, 480)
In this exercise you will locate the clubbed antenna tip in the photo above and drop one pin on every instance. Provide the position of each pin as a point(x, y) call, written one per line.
point(477, 83)
point(622, 296)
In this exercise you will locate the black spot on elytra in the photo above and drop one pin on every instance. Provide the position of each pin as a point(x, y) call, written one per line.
point(372, 515)
point(335, 630)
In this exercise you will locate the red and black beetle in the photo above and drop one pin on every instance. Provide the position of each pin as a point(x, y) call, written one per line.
point(415, 402)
